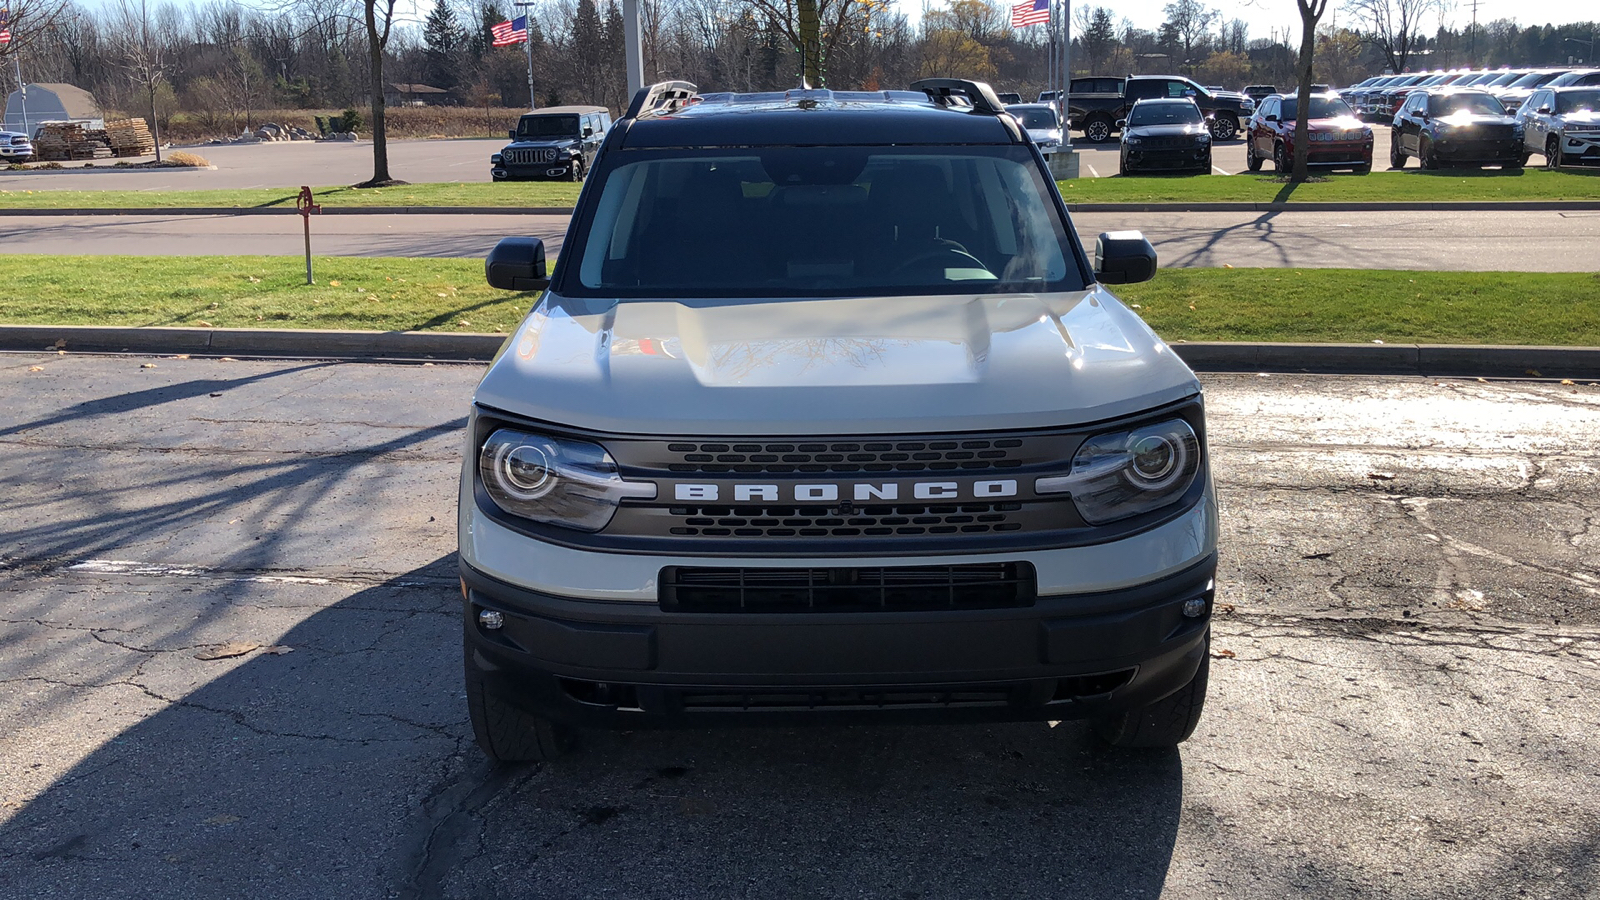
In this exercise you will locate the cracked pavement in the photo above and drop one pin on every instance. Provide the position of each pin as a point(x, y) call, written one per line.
point(1402, 699)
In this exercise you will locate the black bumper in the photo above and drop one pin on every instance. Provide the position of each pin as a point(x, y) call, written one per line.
point(633, 665)
point(560, 170)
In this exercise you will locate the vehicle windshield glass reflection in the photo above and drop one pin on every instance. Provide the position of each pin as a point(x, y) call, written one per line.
point(549, 127)
point(1574, 101)
point(1470, 104)
point(1037, 118)
point(823, 222)
point(1164, 114)
point(1321, 108)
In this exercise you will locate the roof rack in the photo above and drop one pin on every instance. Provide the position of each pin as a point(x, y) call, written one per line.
point(943, 90)
point(667, 95)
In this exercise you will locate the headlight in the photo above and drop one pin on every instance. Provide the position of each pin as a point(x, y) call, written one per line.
point(1125, 473)
point(1204, 138)
point(494, 159)
point(1131, 141)
point(573, 484)
point(1248, 104)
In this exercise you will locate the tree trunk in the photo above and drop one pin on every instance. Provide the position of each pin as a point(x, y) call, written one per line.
point(810, 43)
point(155, 126)
point(380, 144)
point(1302, 118)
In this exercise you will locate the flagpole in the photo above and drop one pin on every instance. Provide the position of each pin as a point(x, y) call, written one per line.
point(527, 41)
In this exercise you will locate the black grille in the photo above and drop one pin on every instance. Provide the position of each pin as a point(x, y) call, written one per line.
point(902, 588)
point(790, 457)
point(523, 157)
point(822, 521)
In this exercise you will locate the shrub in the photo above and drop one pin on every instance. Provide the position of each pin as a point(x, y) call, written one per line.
point(351, 121)
point(187, 160)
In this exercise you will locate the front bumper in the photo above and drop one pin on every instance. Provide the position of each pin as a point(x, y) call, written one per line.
point(1479, 152)
point(633, 665)
point(1187, 158)
point(560, 169)
point(1581, 149)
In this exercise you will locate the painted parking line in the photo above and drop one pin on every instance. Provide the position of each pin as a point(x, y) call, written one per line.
point(1220, 171)
point(1092, 170)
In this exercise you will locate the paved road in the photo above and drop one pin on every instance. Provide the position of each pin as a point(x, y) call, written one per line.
point(1492, 241)
point(1405, 708)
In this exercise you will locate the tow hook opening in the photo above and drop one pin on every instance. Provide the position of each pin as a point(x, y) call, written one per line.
point(624, 697)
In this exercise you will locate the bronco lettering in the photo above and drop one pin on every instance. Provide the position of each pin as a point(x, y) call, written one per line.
point(815, 493)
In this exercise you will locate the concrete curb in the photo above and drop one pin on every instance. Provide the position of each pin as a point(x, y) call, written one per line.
point(1440, 360)
point(291, 211)
point(1464, 206)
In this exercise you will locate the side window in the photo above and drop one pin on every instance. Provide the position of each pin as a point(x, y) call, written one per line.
point(1177, 89)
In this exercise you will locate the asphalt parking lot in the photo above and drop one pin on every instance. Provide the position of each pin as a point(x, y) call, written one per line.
point(293, 163)
point(1401, 705)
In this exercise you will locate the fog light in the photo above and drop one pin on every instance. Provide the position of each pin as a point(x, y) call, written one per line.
point(492, 619)
point(1195, 607)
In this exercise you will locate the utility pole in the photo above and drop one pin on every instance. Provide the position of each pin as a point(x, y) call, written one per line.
point(632, 48)
point(527, 43)
point(22, 90)
point(1472, 42)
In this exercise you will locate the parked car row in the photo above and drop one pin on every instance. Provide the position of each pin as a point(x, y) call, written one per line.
point(1379, 98)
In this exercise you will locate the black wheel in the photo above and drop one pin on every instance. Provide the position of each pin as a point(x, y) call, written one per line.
point(1280, 159)
point(507, 734)
point(1165, 723)
point(1552, 153)
point(575, 171)
point(1205, 166)
point(1361, 170)
point(1512, 168)
point(1122, 166)
point(1097, 129)
point(1251, 160)
point(1397, 157)
point(1525, 157)
point(1223, 128)
point(1426, 158)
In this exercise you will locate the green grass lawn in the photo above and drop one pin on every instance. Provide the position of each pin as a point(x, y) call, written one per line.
point(511, 194)
point(1314, 305)
point(1409, 186)
point(1412, 186)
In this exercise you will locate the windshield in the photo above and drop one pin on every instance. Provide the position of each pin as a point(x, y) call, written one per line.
point(1164, 114)
point(1474, 104)
point(822, 222)
point(1504, 78)
point(1037, 118)
point(1321, 108)
point(1573, 101)
point(548, 126)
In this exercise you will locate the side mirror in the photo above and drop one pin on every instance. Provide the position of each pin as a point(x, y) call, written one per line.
point(1121, 124)
point(588, 132)
point(512, 134)
point(1123, 257)
point(517, 264)
point(1543, 110)
point(1272, 117)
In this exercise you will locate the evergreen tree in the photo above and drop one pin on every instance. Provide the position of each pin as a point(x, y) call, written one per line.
point(443, 43)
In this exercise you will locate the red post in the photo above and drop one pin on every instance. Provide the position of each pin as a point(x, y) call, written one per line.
point(306, 207)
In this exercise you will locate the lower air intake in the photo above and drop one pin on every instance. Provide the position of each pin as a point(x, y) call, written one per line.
point(892, 589)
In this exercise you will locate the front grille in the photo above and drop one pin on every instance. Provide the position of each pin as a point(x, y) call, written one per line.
point(891, 589)
point(791, 457)
point(1178, 143)
point(822, 521)
point(528, 157)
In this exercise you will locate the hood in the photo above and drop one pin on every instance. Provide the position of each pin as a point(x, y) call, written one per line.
point(1581, 117)
point(541, 142)
point(15, 136)
point(1468, 120)
point(1166, 131)
point(1335, 123)
point(1044, 134)
point(848, 366)
point(1230, 95)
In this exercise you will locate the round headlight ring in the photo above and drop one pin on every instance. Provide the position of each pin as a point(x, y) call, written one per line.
point(1156, 461)
point(524, 471)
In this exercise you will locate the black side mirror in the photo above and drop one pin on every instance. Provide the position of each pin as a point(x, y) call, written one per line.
point(1121, 124)
point(1123, 257)
point(1272, 117)
point(1542, 110)
point(512, 134)
point(517, 264)
point(588, 132)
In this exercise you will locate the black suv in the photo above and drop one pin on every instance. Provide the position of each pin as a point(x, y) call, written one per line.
point(1096, 104)
point(554, 143)
point(1165, 134)
point(1440, 126)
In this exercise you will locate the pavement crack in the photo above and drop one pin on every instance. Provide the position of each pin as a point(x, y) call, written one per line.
point(452, 831)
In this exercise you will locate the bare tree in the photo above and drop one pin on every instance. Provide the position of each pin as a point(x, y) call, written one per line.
point(378, 17)
point(1393, 26)
point(142, 54)
point(1191, 22)
point(1310, 13)
point(817, 26)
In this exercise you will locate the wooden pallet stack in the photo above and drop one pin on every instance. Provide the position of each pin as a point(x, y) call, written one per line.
point(54, 142)
point(130, 137)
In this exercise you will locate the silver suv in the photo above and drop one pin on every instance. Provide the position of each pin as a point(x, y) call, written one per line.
point(1563, 124)
point(825, 414)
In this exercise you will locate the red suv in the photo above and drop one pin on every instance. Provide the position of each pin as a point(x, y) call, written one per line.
point(1339, 140)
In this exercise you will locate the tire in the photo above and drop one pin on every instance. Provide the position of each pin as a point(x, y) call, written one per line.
point(1280, 159)
point(1512, 168)
point(1361, 170)
point(1224, 128)
point(1397, 157)
point(1552, 153)
point(506, 734)
point(1426, 158)
point(1205, 167)
point(1167, 722)
point(1251, 160)
point(1123, 168)
point(1525, 157)
point(1097, 129)
point(575, 172)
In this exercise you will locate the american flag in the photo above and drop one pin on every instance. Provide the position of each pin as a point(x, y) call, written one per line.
point(1030, 12)
point(5, 26)
point(507, 33)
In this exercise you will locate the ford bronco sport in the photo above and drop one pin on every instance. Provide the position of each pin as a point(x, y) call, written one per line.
point(825, 414)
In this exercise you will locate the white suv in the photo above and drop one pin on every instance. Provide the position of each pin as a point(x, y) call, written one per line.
point(826, 414)
point(1563, 124)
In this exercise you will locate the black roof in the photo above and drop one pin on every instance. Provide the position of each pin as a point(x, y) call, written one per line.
point(817, 117)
